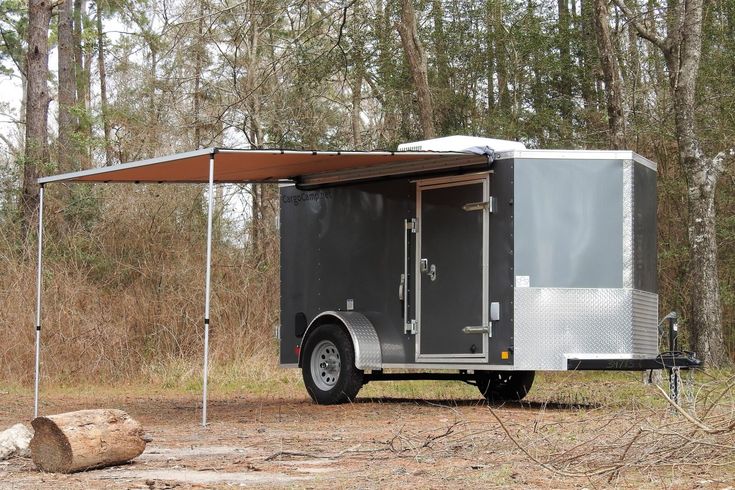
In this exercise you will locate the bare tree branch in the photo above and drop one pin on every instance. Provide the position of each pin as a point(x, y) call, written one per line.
point(641, 28)
point(718, 162)
point(601, 471)
point(693, 420)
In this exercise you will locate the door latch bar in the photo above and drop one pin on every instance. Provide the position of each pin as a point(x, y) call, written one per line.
point(409, 325)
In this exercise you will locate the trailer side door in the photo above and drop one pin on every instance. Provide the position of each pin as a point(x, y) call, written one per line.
point(452, 269)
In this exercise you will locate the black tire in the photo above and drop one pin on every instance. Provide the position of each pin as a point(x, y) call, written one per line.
point(504, 386)
point(331, 377)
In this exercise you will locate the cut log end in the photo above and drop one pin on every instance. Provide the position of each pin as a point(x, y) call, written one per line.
point(50, 449)
point(86, 439)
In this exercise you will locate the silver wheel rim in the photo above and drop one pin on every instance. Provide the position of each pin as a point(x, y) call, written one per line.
point(325, 365)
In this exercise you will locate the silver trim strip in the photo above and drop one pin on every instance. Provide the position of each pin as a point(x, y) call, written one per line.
point(627, 231)
point(472, 367)
point(579, 155)
point(605, 356)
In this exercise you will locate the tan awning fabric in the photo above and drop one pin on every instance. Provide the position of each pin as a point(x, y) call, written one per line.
point(235, 166)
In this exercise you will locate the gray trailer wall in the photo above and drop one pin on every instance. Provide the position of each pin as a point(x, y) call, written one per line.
point(644, 254)
point(585, 260)
point(345, 242)
point(568, 221)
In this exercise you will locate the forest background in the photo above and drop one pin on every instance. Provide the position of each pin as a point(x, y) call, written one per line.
point(133, 79)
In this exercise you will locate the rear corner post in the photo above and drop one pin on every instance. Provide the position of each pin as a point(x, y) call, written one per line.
point(39, 280)
point(207, 282)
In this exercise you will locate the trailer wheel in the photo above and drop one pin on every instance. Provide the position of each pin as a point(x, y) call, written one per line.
point(328, 366)
point(504, 386)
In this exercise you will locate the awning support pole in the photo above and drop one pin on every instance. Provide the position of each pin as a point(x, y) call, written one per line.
point(39, 279)
point(207, 280)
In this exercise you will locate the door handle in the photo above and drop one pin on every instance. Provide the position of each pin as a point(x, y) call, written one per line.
point(477, 329)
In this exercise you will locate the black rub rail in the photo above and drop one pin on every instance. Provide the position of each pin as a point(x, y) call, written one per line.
point(665, 360)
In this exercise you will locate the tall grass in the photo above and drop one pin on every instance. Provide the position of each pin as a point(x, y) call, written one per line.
point(123, 287)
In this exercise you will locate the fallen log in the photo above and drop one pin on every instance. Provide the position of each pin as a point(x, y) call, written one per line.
point(77, 441)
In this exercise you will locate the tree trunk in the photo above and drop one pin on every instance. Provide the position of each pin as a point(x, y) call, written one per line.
point(103, 84)
point(633, 81)
point(417, 64)
point(565, 80)
point(199, 51)
point(588, 60)
point(443, 90)
point(682, 50)
point(611, 73)
point(67, 88)
point(153, 134)
point(682, 61)
point(501, 60)
point(358, 60)
point(490, 58)
point(84, 128)
point(706, 310)
point(86, 439)
point(389, 128)
point(356, 109)
point(37, 99)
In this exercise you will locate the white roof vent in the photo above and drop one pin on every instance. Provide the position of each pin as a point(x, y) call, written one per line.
point(461, 144)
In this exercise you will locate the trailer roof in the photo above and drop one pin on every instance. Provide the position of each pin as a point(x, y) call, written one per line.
point(252, 166)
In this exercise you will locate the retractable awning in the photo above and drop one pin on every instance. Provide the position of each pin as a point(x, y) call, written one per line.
point(222, 165)
point(252, 166)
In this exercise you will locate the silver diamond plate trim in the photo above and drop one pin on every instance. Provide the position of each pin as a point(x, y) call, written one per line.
point(553, 324)
point(628, 223)
point(364, 337)
point(645, 322)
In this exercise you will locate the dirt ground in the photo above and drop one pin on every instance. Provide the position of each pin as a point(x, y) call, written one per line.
point(275, 441)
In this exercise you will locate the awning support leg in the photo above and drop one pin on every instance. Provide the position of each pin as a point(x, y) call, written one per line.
point(39, 280)
point(207, 280)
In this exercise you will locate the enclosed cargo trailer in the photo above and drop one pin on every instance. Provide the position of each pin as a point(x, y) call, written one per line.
point(534, 261)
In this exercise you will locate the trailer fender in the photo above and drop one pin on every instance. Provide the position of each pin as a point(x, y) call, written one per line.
point(365, 339)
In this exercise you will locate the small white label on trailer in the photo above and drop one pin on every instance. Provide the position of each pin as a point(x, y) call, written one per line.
point(523, 281)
